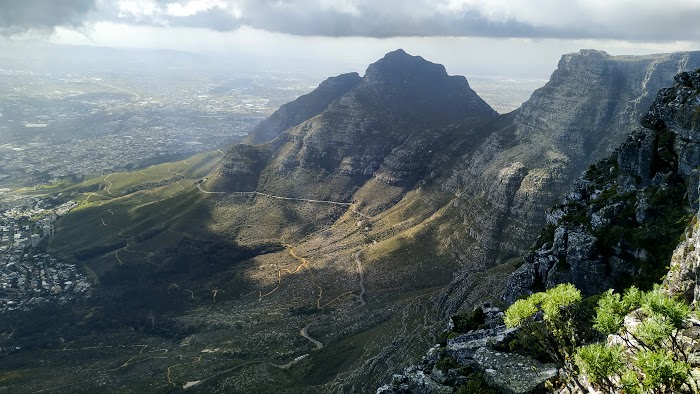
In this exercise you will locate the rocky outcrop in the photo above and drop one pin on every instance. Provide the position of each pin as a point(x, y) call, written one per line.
point(622, 220)
point(477, 354)
point(302, 109)
point(589, 106)
point(683, 278)
point(242, 166)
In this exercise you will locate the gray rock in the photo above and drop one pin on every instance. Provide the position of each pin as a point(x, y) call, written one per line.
point(514, 374)
point(414, 383)
point(463, 347)
point(303, 108)
point(683, 278)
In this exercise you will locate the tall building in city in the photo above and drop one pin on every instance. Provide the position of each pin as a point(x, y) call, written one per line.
point(47, 230)
point(35, 240)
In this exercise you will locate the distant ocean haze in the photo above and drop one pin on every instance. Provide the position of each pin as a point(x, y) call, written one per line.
point(504, 94)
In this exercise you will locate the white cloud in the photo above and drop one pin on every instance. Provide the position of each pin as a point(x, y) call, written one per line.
point(139, 9)
point(192, 7)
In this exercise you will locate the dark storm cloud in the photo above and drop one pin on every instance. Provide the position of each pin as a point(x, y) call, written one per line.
point(640, 20)
point(18, 16)
point(595, 19)
point(380, 19)
point(370, 23)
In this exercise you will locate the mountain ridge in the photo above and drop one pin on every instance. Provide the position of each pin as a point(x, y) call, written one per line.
point(303, 108)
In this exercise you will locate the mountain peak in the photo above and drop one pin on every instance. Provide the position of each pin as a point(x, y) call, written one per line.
point(398, 53)
point(399, 65)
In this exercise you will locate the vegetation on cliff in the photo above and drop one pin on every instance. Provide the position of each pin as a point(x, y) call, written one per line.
point(646, 350)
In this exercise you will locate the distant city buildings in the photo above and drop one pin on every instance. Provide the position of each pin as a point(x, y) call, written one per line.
point(29, 278)
point(84, 125)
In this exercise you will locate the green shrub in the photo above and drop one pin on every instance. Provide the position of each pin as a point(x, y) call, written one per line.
point(629, 383)
point(610, 313)
point(551, 302)
point(653, 331)
point(612, 309)
point(653, 359)
point(446, 363)
point(656, 302)
point(557, 333)
point(660, 369)
point(520, 311)
point(466, 322)
point(599, 361)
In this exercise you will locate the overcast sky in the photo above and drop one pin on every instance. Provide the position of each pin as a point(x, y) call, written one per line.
point(471, 37)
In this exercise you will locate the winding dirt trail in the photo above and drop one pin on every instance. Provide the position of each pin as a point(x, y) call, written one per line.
point(116, 254)
point(304, 332)
point(288, 365)
point(199, 186)
point(305, 263)
point(284, 198)
point(360, 271)
point(110, 183)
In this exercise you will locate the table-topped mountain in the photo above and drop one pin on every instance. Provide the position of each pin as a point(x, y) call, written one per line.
point(622, 220)
point(340, 233)
point(589, 106)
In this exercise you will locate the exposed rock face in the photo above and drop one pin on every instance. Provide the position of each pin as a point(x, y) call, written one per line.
point(303, 108)
point(477, 352)
point(419, 90)
point(592, 102)
point(590, 105)
point(621, 222)
point(683, 278)
point(243, 164)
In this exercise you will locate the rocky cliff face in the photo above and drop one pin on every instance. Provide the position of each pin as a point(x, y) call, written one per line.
point(592, 102)
point(683, 278)
point(618, 226)
point(303, 108)
point(622, 221)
